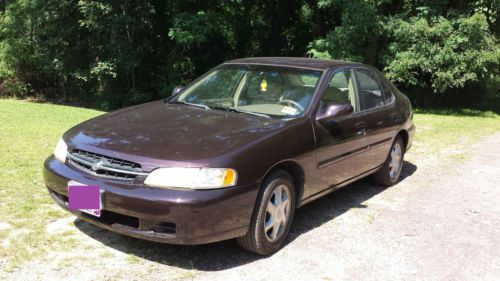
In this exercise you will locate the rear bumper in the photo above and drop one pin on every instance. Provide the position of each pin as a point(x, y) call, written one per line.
point(162, 215)
point(411, 136)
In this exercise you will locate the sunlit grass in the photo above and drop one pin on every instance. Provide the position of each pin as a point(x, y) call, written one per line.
point(28, 134)
point(449, 132)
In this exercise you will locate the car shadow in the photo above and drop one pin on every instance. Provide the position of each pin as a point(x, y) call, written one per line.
point(227, 254)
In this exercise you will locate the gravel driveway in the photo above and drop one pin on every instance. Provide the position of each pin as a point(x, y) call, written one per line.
point(442, 222)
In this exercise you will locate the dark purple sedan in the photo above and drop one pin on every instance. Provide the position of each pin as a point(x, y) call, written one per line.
point(234, 153)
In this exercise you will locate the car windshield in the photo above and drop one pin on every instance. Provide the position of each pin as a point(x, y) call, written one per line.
point(268, 91)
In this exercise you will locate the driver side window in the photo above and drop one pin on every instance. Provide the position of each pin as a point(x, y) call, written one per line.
point(341, 90)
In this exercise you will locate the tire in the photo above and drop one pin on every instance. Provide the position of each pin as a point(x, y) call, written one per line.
point(257, 239)
point(386, 176)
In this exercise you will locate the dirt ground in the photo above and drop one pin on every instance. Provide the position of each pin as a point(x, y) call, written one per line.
point(441, 222)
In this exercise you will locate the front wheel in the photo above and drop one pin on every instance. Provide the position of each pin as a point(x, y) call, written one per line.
point(390, 172)
point(273, 215)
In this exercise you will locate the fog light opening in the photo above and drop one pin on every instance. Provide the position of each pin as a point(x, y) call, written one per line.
point(165, 227)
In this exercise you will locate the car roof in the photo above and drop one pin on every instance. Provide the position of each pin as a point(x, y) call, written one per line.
point(311, 63)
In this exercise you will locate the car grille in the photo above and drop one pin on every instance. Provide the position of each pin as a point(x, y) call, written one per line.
point(105, 166)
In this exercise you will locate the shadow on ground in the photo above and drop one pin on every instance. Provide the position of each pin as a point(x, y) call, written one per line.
point(227, 254)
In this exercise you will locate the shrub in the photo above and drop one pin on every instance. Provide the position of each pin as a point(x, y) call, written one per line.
point(13, 88)
point(441, 54)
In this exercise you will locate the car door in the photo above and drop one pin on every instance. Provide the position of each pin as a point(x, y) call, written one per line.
point(381, 115)
point(340, 141)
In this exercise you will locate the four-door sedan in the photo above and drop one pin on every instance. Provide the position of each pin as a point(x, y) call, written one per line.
point(234, 153)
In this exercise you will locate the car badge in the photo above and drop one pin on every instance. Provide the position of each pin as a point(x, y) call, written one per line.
point(98, 165)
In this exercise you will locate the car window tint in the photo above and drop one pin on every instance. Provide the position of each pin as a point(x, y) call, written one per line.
point(264, 87)
point(386, 89)
point(341, 90)
point(308, 79)
point(369, 88)
point(217, 85)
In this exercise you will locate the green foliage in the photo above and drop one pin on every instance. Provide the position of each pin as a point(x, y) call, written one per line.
point(122, 52)
point(14, 88)
point(190, 29)
point(440, 53)
point(355, 38)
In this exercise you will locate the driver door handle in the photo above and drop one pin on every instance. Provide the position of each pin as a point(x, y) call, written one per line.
point(360, 125)
point(361, 128)
point(395, 117)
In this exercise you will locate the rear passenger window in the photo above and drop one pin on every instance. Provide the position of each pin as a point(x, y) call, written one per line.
point(386, 89)
point(369, 88)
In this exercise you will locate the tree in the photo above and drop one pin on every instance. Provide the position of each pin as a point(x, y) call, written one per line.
point(355, 38)
point(121, 52)
point(38, 40)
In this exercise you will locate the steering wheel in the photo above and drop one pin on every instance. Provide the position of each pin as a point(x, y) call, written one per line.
point(294, 103)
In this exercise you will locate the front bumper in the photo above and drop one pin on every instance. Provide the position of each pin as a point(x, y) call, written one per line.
point(162, 215)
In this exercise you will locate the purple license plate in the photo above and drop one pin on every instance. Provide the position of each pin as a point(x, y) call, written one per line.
point(84, 198)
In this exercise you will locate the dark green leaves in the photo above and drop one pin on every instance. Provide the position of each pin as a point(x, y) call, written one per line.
point(122, 52)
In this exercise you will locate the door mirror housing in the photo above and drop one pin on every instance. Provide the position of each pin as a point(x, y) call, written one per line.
point(332, 110)
point(177, 89)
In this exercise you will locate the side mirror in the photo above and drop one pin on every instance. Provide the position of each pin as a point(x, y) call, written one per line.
point(177, 89)
point(334, 110)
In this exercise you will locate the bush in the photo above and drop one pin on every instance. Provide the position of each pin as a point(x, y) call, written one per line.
point(13, 88)
point(441, 54)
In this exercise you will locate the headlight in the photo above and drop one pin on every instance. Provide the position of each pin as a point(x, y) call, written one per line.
point(60, 151)
point(193, 178)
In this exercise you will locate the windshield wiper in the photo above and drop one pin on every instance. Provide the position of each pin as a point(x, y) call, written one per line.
point(232, 109)
point(235, 109)
point(204, 106)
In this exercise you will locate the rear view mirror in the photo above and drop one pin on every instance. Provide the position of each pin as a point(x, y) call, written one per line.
point(177, 89)
point(332, 110)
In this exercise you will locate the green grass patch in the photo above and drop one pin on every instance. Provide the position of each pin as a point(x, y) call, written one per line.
point(449, 132)
point(29, 132)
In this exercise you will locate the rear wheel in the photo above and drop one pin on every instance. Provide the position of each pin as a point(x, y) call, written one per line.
point(273, 215)
point(390, 172)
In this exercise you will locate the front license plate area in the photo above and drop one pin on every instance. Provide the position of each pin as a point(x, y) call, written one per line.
point(85, 198)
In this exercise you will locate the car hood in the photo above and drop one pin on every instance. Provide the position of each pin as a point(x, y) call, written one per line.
point(163, 134)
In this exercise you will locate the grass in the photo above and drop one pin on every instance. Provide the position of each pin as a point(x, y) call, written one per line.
point(29, 131)
point(445, 133)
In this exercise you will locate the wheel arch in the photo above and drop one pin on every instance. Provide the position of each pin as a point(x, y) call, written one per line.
point(297, 173)
point(405, 136)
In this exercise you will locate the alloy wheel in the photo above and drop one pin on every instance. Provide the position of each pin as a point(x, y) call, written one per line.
point(277, 213)
point(395, 162)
